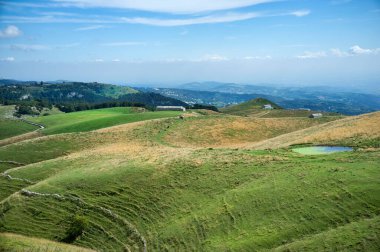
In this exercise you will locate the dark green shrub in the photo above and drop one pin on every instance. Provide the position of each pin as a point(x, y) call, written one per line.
point(77, 226)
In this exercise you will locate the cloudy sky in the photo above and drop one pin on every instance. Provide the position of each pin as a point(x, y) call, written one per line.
point(287, 42)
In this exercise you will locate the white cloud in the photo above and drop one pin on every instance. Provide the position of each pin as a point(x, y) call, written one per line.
point(267, 57)
point(357, 50)
point(166, 6)
point(312, 55)
point(184, 33)
point(300, 13)
point(99, 21)
point(339, 53)
point(28, 48)
point(354, 50)
point(213, 57)
point(116, 60)
point(99, 60)
point(125, 43)
point(8, 59)
point(91, 27)
point(10, 31)
point(220, 18)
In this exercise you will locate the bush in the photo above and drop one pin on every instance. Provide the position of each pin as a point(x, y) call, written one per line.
point(77, 226)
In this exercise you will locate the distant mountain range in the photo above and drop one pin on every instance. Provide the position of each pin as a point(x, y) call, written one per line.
point(314, 98)
point(208, 93)
point(16, 92)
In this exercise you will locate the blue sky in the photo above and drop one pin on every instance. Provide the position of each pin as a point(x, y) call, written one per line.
point(288, 42)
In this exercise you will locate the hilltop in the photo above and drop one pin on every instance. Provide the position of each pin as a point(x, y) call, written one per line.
point(250, 107)
point(77, 93)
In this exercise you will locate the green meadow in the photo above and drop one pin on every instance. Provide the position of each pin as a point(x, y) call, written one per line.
point(127, 189)
point(96, 119)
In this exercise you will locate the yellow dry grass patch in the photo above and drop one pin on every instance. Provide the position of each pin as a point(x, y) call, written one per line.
point(13, 242)
point(230, 131)
point(364, 127)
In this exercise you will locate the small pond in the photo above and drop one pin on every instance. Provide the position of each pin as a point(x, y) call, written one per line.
point(318, 150)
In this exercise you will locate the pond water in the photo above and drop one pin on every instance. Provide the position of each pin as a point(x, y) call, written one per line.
point(317, 150)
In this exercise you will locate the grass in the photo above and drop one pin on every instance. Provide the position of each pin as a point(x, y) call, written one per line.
point(356, 131)
point(133, 189)
point(15, 243)
point(6, 111)
point(224, 131)
point(252, 107)
point(96, 119)
point(10, 128)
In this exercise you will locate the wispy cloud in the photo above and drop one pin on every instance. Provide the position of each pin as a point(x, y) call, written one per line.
point(357, 50)
point(125, 43)
point(300, 13)
point(213, 58)
point(312, 55)
point(266, 57)
point(29, 48)
point(210, 19)
point(8, 59)
point(354, 50)
point(98, 21)
point(10, 31)
point(167, 6)
point(91, 27)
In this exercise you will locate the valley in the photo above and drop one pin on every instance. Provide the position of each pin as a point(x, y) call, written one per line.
point(128, 179)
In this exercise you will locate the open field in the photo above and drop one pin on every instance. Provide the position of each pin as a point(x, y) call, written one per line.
point(227, 131)
point(96, 119)
point(136, 193)
point(250, 108)
point(359, 131)
point(10, 128)
point(15, 243)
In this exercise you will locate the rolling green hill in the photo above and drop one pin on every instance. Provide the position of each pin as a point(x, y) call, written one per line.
point(251, 107)
point(96, 119)
point(127, 188)
point(17, 243)
point(9, 126)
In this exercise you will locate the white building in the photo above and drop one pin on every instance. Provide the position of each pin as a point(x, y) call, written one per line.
point(316, 115)
point(267, 106)
point(170, 108)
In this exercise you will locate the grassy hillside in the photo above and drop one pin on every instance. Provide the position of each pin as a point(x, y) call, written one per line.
point(251, 107)
point(9, 126)
point(225, 131)
point(96, 119)
point(15, 243)
point(361, 131)
point(136, 193)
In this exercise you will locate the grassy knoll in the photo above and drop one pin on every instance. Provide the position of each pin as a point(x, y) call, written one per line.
point(252, 107)
point(223, 131)
point(294, 113)
point(136, 193)
point(6, 111)
point(10, 128)
point(363, 235)
point(96, 119)
point(15, 243)
point(356, 131)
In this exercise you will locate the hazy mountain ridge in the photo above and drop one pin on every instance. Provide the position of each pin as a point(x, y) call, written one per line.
point(14, 92)
point(314, 98)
